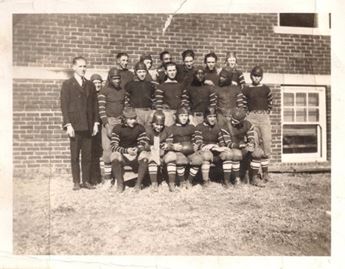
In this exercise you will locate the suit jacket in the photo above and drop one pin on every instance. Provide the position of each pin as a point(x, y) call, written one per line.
point(79, 104)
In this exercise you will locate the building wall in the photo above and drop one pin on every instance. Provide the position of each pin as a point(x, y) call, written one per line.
point(51, 41)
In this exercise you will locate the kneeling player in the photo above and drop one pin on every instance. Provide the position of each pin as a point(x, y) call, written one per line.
point(179, 142)
point(157, 135)
point(210, 140)
point(128, 143)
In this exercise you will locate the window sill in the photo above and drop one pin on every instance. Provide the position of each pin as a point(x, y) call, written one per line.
point(301, 30)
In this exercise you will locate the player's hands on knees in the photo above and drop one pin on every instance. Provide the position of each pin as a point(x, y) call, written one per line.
point(132, 151)
point(70, 131)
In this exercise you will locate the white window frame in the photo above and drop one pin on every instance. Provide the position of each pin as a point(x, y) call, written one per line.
point(321, 155)
point(323, 27)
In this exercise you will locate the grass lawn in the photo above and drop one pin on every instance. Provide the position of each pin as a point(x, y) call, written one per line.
point(290, 216)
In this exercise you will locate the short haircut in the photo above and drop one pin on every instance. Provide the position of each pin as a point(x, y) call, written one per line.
point(161, 55)
point(120, 54)
point(75, 59)
point(188, 52)
point(170, 64)
point(211, 54)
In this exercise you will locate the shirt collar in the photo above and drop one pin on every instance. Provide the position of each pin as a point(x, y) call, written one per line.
point(79, 79)
point(170, 80)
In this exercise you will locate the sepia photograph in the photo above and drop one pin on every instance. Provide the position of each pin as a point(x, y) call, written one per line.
point(182, 132)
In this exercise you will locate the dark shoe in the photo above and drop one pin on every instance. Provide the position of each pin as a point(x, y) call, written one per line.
point(154, 187)
point(237, 181)
point(88, 186)
point(76, 187)
point(257, 182)
point(171, 187)
point(226, 184)
point(266, 177)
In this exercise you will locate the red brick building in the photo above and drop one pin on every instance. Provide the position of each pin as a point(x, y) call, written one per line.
point(295, 55)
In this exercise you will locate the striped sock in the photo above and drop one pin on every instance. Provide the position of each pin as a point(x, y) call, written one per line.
point(107, 170)
point(153, 170)
point(227, 165)
point(205, 171)
point(236, 168)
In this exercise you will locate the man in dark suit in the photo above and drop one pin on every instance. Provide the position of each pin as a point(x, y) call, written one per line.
point(80, 120)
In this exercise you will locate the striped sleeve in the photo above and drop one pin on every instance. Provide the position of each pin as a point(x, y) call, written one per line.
point(153, 97)
point(240, 100)
point(198, 139)
point(101, 106)
point(270, 100)
point(251, 135)
point(159, 97)
point(185, 99)
point(240, 79)
point(244, 100)
point(142, 140)
point(213, 97)
point(220, 138)
point(115, 143)
point(226, 138)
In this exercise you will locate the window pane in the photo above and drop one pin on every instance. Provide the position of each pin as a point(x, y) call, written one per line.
point(288, 99)
point(301, 99)
point(289, 115)
point(298, 19)
point(300, 139)
point(313, 114)
point(301, 114)
point(313, 99)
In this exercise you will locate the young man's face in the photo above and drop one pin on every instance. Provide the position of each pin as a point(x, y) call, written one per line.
point(183, 118)
point(157, 127)
point(171, 71)
point(131, 121)
point(256, 79)
point(200, 75)
point(211, 119)
point(123, 61)
point(232, 62)
point(116, 81)
point(98, 84)
point(80, 67)
point(211, 63)
point(166, 58)
point(188, 62)
point(148, 63)
point(141, 74)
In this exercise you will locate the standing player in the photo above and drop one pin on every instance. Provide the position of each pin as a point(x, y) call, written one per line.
point(258, 101)
point(168, 95)
point(165, 58)
point(111, 102)
point(122, 65)
point(228, 97)
point(128, 144)
point(199, 96)
point(236, 75)
point(211, 72)
point(186, 70)
point(140, 95)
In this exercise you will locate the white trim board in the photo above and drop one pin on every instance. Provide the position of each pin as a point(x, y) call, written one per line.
point(30, 72)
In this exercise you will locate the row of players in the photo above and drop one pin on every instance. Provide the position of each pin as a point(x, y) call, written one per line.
point(183, 145)
point(172, 86)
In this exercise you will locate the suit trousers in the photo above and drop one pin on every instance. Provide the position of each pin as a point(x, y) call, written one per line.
point(81, 142)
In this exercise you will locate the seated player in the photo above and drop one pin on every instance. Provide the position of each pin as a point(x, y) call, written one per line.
point(242, 137)
point(180, 142)
point(157, 135)
point(212, 146)
point(128, 143)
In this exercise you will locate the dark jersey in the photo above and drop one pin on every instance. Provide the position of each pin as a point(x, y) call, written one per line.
point(140, 94)
point(206, 134)
point(257, 98)
point(169, 95)
point(241, 134)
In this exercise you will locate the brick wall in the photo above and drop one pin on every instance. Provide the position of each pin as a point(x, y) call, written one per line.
point(52, 40)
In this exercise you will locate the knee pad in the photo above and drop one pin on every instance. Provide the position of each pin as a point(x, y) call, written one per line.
point(144, 155)
point(170, 157)
point(226, 155)
point(207, 156)
point(258, 153)
point(237, 155)
point(116, 156)
point(181, 159)
point(195, 159)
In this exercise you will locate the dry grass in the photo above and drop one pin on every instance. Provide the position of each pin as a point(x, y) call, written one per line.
point(288, 217)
